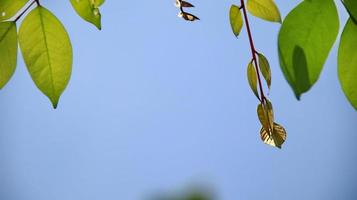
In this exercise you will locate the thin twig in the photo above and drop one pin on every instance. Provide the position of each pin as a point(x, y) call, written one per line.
point(252, 48)
point(23, 12)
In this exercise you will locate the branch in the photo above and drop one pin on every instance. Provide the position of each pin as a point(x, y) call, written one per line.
point(254, 52)
point(23, 12)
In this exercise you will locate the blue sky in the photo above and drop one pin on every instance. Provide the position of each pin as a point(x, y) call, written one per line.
point(159, 104)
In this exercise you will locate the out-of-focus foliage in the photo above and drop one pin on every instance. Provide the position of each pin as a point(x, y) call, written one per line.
point(194, 194)
point(347, 62)
point(305, 40)
point(8, 49)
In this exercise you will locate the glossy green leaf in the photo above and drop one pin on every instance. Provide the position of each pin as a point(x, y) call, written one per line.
point(236, 20)
point(276, 138)
point(351, 6)
point(8, 8)
point(8, 51)
point(252, 78)
point(88, 10)
point(265, 68)
point(305, 40)
point(264, 9)
point(47, 52)
point(347, 62)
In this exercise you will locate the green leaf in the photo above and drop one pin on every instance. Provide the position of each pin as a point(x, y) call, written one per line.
point(8, 51)
point(276, 138)
point(88, 10)
point(98, 3)
point(8, 8)
point(351, 6)
point(47, 52)
point(265, 69)
point(252, 78)
point(347, 62)
point(305, 40)
point(264, 9)
point(235, 17)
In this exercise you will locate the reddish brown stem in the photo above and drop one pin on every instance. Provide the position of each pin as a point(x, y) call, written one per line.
point(252, 48)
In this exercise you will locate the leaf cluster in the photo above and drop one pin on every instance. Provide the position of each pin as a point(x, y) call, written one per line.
point(44, 43)
point(271, 133)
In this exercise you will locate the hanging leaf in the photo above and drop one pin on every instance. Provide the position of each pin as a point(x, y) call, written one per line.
point(236, 20)
point(252, 78)
point(88, 10)
point(264, 9)
point(347, 62)
point(276, 138)
point(186, 4)
point(8, 8)
point(266, 115)
point(47, 52)
point(265, 69)
point(351, 6)
point(270, 112)
point(305, 40)
point(188, 16)
point(8, 51)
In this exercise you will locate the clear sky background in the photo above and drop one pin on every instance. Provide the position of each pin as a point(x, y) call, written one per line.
point(158, 104)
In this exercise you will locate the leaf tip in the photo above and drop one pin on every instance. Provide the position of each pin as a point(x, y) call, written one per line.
point(55, 104)
point(298, 96)
point(98, 25)
point(54, 101)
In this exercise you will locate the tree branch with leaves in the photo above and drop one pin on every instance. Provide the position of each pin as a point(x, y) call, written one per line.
point(305, 39)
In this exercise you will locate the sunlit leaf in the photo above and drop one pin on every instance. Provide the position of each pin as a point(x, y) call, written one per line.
point(270, 112)
point(236, 20)
point(276, 138)
point(265, 68)
point(263, 118)
point(347, 62)
point(8, 8)
point(88, 10)
point(266, 115)
point(98, 3)
point(47, 52)
point(252, 78)
point(305, 40)
point(264, 9)
point(351, 6)
point(8, 51)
